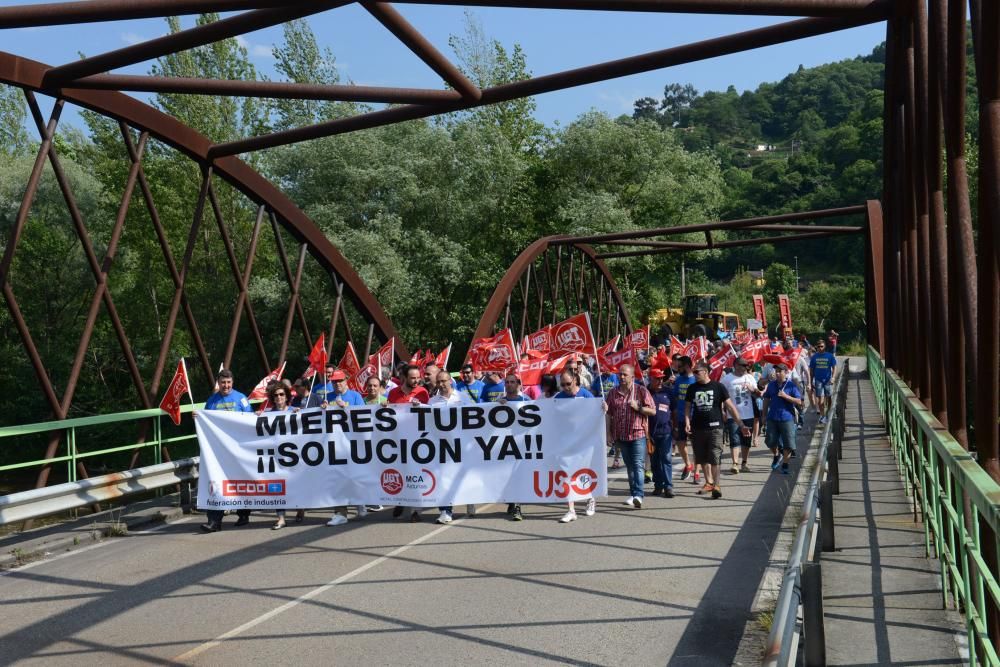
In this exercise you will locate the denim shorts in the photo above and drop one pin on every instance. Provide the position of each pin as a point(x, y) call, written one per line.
point(780, 435)
point(737, 439)
point(821, 388)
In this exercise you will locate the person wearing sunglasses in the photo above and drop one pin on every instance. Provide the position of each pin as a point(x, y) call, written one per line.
point(445, 394)
point(569, 385)
point(278, 395)
point(705, 401)
point(468, 384)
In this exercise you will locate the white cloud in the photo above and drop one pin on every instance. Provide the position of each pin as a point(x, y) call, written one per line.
point(255, 50)
point(132, 38)
point(624, 101)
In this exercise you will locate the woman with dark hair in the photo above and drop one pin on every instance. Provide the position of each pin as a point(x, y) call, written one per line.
point(549, 386)
point(278, 395)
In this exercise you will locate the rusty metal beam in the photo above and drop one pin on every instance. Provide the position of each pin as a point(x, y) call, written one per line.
point(743, 7)
point(718, 244)
point(183, 40)
point(405, 32)
point(710, 48)
point(93, 11)
point(266, 89)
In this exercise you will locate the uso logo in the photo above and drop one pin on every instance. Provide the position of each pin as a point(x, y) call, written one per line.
point(559, 483)
point(570, 336)
point(392, 481)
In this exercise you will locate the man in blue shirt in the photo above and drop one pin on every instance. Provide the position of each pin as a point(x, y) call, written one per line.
point(230, 400)
point(338, 395)
point(604, 383)
point(468, 384)
point(493, 388)
point(781, 398)
point(684, 379)
point(318, 396)
point(821, 367)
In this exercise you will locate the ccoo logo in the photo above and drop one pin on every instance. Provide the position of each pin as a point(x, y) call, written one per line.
point(392, 481)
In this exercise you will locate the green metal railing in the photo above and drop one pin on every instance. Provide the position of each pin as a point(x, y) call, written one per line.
point(958, 500)
point(153, 437)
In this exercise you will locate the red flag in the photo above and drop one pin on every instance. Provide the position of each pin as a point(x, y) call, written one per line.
point(260, 391)
point(608, 347)
point(719, 362)
point(676, 347)
point(574, 335)
point(639, 339)
point(494, 353)
point(317, 357)
point(792, 357)
point(661, 361)
point(696, 348)
point(415, 359)
point(351, 366)
point(171, 403)
point(441, 361)
point(613, 361)
point(367, 372)
point(755, 350)
point(540, 341)
point(531, 371)
point(386, 355)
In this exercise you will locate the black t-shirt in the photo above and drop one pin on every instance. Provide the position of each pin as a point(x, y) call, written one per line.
point(706, 401)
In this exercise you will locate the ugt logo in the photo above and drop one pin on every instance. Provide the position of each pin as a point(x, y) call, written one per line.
point(392, 481)
point(499, 353)
point(560, 482)
point(570, 337)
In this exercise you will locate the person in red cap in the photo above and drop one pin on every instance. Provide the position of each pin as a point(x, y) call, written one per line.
point(661, 433)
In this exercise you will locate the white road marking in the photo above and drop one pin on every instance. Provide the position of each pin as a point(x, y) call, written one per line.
point(103, 543)
point(198, 650)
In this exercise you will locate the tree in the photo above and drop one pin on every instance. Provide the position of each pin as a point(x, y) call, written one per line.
point(300, 60)
point(778, 279)
point(14, 138)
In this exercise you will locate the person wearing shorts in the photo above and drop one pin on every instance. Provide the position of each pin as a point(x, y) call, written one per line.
point(822, 365)
point(705, 402)
point(780, 400)
point(742, 388)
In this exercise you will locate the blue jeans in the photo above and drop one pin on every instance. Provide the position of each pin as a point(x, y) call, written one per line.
point(662, 461)
point(780, 435)
point(634, 457)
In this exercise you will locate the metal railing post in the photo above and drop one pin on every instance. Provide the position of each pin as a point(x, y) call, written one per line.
point(826, 516)
point(813, 628)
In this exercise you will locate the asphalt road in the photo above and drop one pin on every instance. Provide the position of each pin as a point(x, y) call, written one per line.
point(669, 584)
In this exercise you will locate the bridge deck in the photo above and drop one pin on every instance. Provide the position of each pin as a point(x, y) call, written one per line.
point(882, 597)
point(672, 583)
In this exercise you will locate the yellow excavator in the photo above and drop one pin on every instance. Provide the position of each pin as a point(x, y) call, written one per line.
point(700, 316)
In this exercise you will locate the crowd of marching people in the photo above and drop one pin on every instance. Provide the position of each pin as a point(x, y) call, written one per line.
point(663, 399)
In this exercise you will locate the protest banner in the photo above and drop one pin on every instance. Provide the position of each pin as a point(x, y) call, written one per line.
point(426, 456)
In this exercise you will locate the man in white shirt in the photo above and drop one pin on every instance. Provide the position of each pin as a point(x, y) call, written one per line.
point(743, 389)
point(446, 395)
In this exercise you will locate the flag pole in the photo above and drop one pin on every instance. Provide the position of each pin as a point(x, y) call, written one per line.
point(187, 381)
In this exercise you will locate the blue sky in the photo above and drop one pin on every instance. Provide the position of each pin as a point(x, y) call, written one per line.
point(552, 40)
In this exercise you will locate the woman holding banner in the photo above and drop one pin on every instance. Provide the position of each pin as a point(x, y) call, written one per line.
point(569, 382)
point(278, 395)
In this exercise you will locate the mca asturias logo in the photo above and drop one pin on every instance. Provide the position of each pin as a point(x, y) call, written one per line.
point(252, 487)
point(393, 482)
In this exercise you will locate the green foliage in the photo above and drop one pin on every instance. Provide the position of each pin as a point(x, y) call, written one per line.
point(14, 138)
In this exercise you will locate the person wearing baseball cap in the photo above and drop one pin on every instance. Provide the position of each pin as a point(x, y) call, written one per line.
point(661, 426)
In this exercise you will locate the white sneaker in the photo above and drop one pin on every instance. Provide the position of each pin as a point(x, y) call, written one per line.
point(591, 507)
point(337, 520)
point(362, 511)
point(470, 510)
point(444, 517)
point(628, 502)
point(568, 516)
point(374, 508)
point(637, 503)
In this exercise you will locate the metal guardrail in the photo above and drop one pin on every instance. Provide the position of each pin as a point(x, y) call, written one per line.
point(71, 443)
point(61, 497)
point(957, 499)
point(801, 583)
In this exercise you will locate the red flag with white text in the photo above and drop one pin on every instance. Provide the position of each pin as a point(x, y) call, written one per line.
point(386, 355)
point(608, 347)
point(639, 339)
point(496, 353)
point(697, 348)
point(574, 335)
point(613, 361)
point(720, 361)
point(531, 371)
point(541, 340)
point(755, 350)
point(351, 366)
point(676, 347)
point(171, 403)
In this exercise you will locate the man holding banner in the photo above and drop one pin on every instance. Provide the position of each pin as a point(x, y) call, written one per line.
point(229, 400)
point(628, 407)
